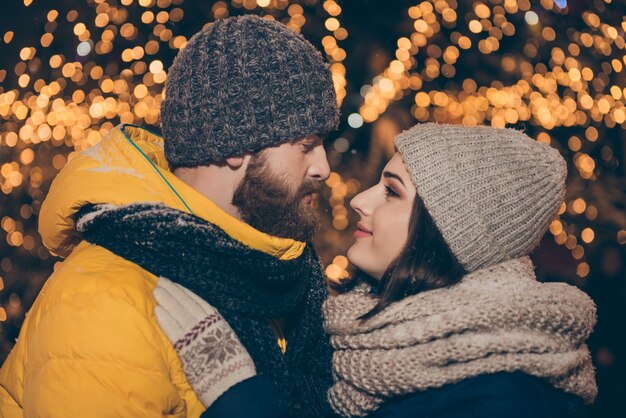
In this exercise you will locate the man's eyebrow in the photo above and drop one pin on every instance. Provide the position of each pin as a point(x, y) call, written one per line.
point(308, 139)
point(389, 174)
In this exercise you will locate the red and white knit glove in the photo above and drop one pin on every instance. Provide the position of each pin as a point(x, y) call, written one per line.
point(212, 355)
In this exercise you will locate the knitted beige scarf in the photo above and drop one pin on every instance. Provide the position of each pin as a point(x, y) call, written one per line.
point(496, 319)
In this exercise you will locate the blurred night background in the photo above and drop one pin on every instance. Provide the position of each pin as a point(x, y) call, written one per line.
point(72, 70)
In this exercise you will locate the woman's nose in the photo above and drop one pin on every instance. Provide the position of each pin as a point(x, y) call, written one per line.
point(359, 203)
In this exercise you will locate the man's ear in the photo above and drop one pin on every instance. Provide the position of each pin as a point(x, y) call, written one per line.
point(235, 162)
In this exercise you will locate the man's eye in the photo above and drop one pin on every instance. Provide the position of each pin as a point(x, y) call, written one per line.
point(308, 147)
point(390, 193)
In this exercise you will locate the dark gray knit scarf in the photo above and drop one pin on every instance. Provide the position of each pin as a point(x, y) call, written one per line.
point(247, 286)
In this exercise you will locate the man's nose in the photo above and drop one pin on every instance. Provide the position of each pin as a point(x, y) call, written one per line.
point(319, 169)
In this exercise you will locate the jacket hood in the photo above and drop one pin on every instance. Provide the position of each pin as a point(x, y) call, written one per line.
point(129, 166)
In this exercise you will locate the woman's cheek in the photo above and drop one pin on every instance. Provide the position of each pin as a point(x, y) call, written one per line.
point(391, 238)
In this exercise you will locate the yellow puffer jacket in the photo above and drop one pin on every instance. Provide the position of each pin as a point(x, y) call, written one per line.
point(90, 345)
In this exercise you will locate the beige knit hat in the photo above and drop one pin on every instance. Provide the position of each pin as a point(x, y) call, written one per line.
point(492, 192)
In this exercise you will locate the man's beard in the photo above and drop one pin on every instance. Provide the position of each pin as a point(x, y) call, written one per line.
point(267, 202)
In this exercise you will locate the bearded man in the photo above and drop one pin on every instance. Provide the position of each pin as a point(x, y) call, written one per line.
point(220, 205)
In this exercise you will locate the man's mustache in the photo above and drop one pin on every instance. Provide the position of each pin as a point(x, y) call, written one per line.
point(310, 187)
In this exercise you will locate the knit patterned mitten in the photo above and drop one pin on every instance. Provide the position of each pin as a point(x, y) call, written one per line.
point(213, 357)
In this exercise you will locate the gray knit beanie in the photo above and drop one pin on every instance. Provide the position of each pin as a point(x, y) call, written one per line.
point(243, 84)
point(491, 192)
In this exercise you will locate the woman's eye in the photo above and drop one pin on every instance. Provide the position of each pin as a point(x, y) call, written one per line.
point(389, 192)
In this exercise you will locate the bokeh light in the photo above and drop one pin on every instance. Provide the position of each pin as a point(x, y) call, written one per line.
point(72, 70)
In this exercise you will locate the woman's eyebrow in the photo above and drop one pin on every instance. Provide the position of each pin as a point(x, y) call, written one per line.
point(389, 174)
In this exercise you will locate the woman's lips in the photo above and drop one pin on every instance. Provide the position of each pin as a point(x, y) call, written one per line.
point(362, 232)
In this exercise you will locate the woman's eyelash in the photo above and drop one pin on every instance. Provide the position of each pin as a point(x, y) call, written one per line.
point(389, 192)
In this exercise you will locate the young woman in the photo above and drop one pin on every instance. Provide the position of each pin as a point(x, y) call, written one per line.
point(445, 317)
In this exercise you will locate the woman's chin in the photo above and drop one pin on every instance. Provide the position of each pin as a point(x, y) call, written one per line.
point(350, 256)
point(355, 256)
point(359, 259)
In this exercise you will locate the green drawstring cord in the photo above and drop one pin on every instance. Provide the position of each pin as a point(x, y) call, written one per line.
point(151, 162)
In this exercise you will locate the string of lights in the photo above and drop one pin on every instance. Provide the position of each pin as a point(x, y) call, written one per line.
point(551, 67)
point(571, 91)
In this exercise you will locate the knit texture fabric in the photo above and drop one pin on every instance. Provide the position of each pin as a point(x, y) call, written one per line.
point(499, 319)
point(213, 358)
point(248, 287)
point(491, 192)
point(243, 84)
